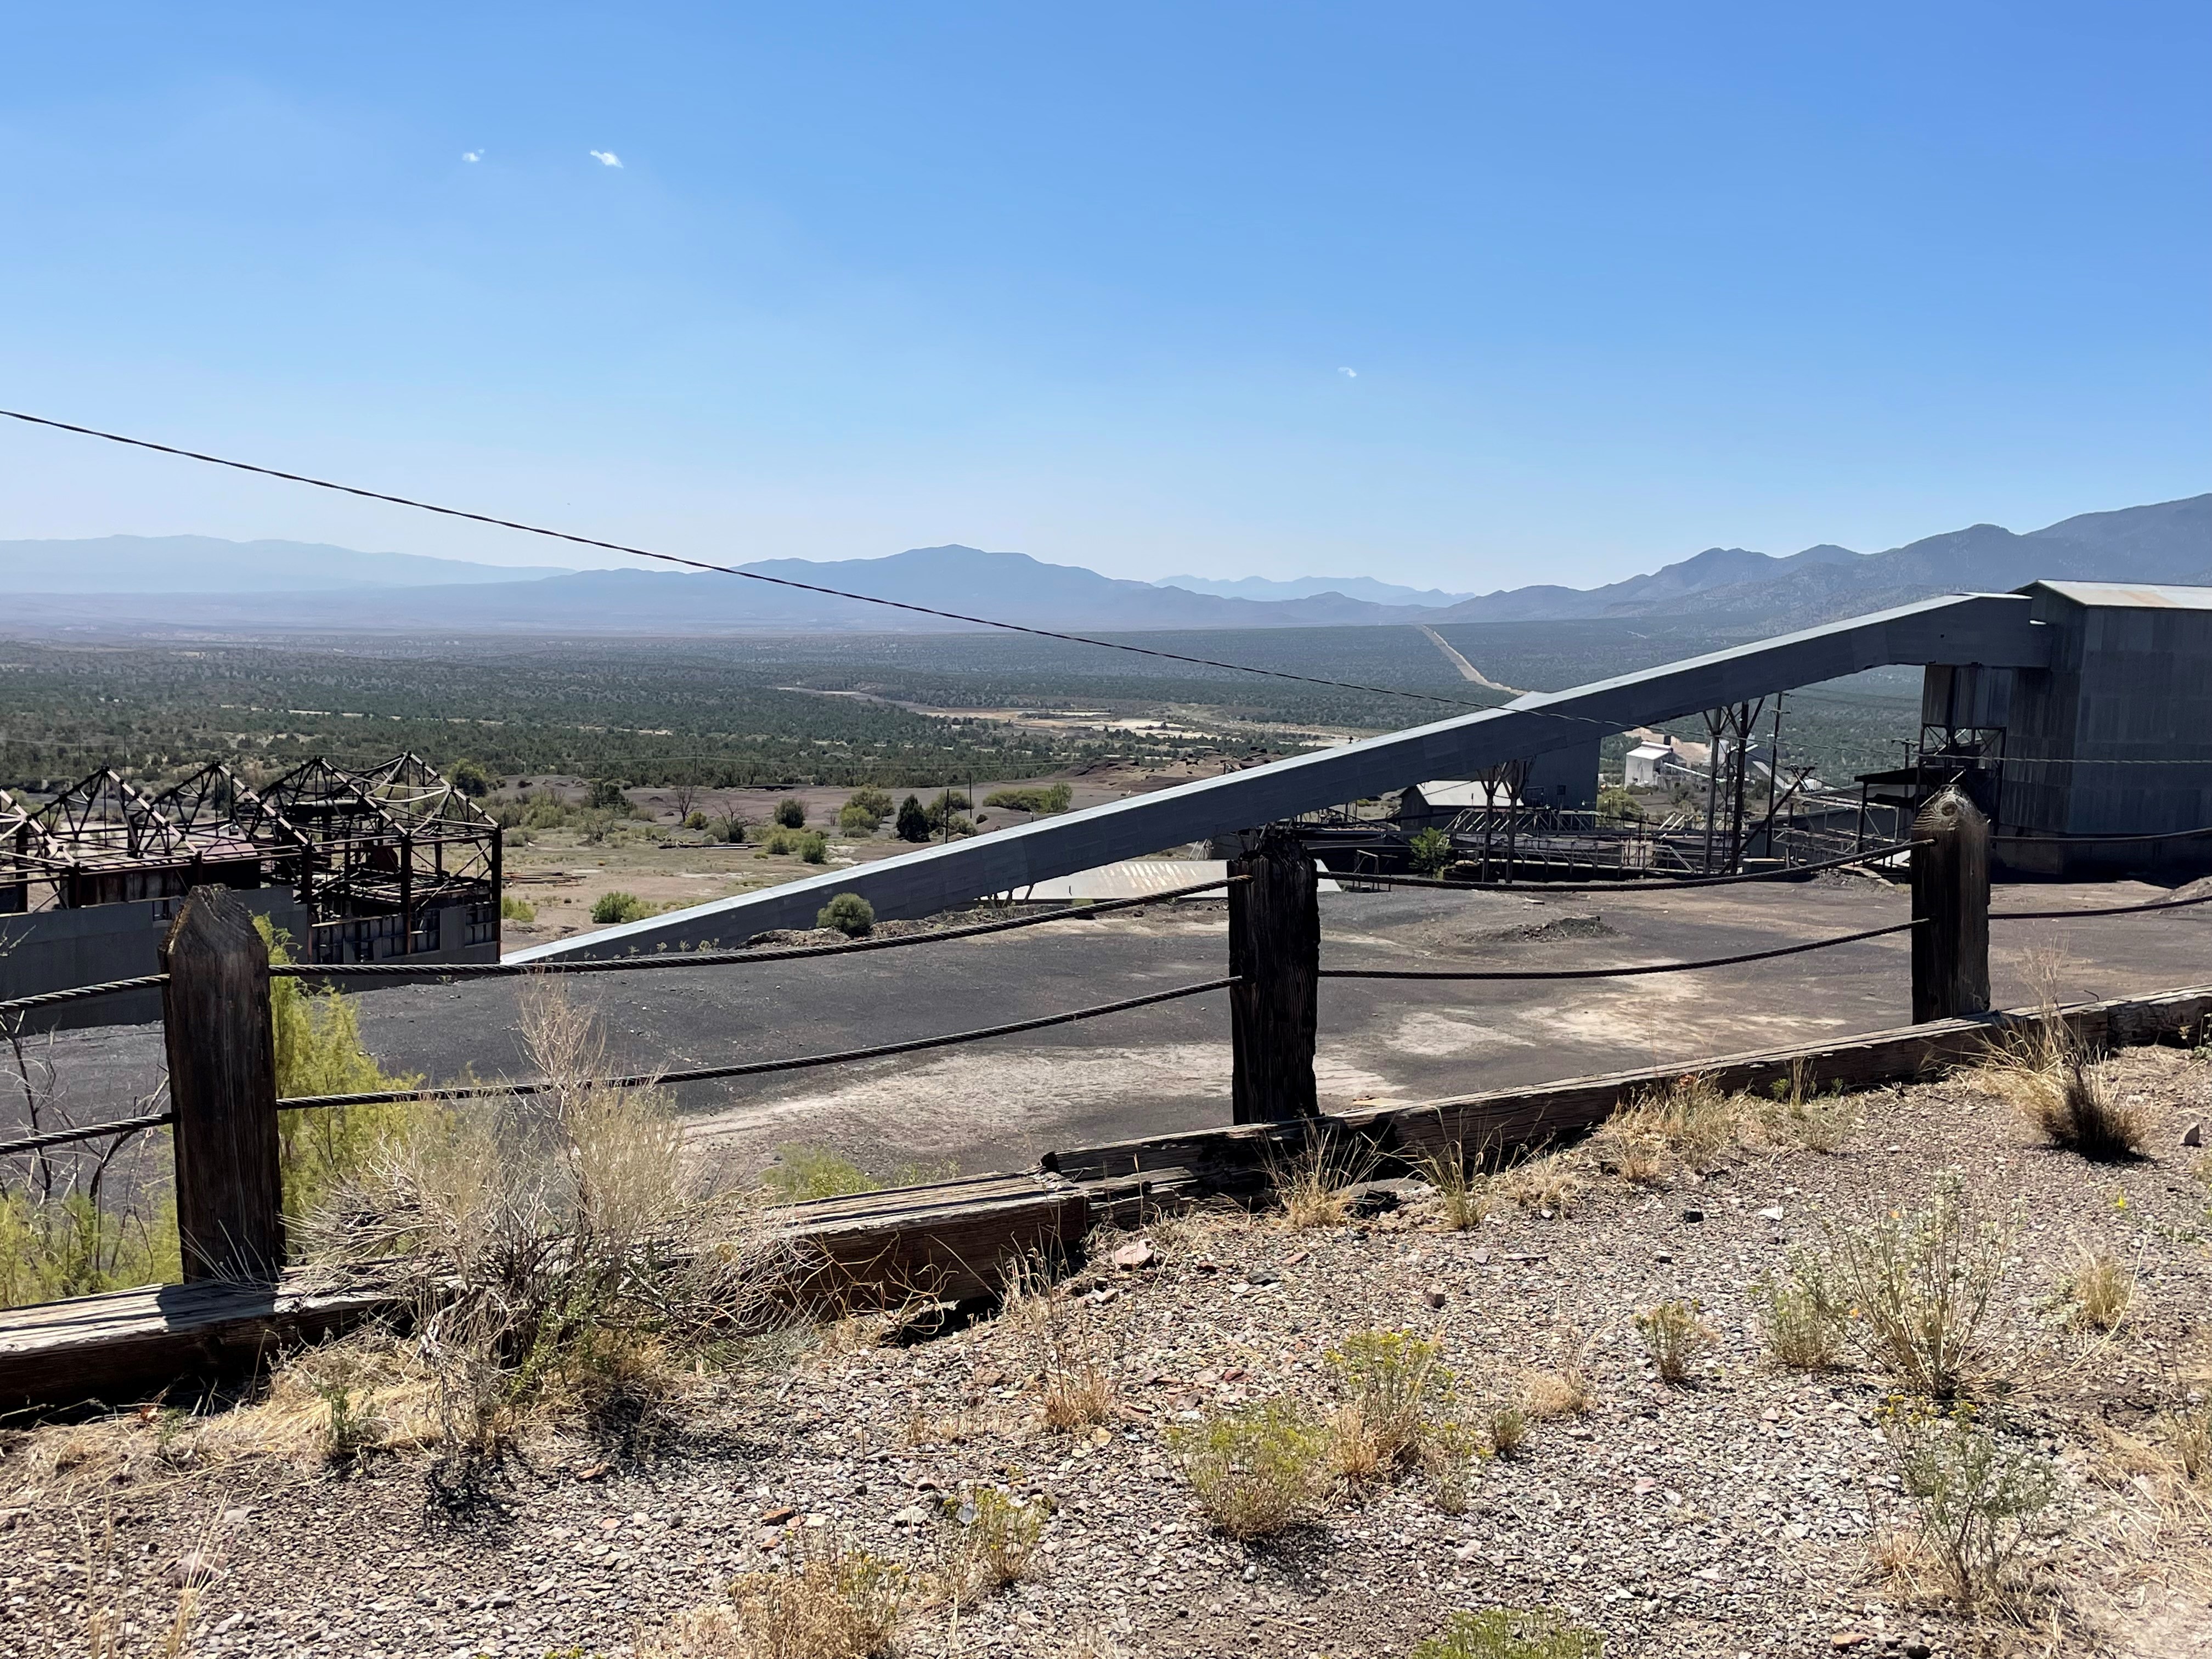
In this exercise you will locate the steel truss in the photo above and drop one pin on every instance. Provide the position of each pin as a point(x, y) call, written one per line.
point(379, 857)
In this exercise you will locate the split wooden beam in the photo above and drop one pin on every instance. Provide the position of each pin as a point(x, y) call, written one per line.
point(1274, 951)
point(1950, 909)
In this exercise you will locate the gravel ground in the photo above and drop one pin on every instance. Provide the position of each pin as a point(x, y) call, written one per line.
point(1730, 1517)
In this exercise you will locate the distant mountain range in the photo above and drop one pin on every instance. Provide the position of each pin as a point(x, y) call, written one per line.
point(2170, 542)
point(193, 583)
point(1306, 588)
point(203, 564)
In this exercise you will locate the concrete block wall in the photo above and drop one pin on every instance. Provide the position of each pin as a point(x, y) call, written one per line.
point(53, 950)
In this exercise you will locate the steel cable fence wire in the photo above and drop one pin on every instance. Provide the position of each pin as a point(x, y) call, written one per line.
point(128, 1126)
point(2094, 840)
point(726, 959)
point(1671, 883)
point(2107, 910)
point(1617, 973)
point(78, 993)
point(758, 1067)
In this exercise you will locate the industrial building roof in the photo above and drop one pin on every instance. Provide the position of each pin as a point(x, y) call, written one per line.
point(2135, 596)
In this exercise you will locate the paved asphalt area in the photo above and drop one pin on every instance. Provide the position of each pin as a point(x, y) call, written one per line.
point(998, 1104)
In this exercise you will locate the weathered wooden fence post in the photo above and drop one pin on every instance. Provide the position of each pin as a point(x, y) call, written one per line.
point(1274, 949)
point(222, 1088)
point(1951, 903)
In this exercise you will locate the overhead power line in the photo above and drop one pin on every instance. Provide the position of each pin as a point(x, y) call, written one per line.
point(722, 570)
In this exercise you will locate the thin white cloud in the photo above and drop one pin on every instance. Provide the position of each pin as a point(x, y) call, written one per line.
point(606, 158)
point(1349, 374)
point(472, 156)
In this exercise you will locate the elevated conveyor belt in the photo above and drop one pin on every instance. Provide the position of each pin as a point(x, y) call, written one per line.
point(1990, 629)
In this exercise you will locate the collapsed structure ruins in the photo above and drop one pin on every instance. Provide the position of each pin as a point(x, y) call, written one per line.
point(391, 862)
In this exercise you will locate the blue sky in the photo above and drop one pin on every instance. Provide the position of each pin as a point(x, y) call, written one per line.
point(1455, 295)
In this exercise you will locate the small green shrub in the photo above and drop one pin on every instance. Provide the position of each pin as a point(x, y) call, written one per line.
point(791, 813)
point(696, 821)
point(805, 844)
point(470, 779)
point(1429, 851)
point(913, 820)
point(947, 814)
point(857, 820)
point(1032, 797)
point(1616, 803)
point(849, 914)
point(619, 907)
point(512, 909)
point(1511, 1633)
point(1980, 1497)
point(1508, 1429)
point(1912, 1292)
point(74, 1246)
point(1398, 1384)
point(988, 1541)
point(1257, 1470)
point(804, 1172)
point(319, 1051)
point(872, 801)
point(607, 794)
point(1803, 1331)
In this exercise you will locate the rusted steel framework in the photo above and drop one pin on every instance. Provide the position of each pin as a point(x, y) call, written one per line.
point(380, 858)
point(103, 842)
point(391, 849)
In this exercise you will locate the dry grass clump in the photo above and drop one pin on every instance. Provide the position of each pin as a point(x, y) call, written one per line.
point(557, 1249)
point(2047, 1073)
point(2102, 1289)
point(829, 1601)
point(1565, 1392)
point(1311, 1183)
point(1674, 1336)
point(1981, 1497)
point(2189, 1432)
point(1912, 1291)
point(1691, 1121)
point(1549, 1182)
point(1797, 1114)
point(1660, 1131)
point(1508, 1429)
point(1464, 1196)
point(1257, 1470)
point(337, 1403)
point(1511, 1633)
point(1077, 1388)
